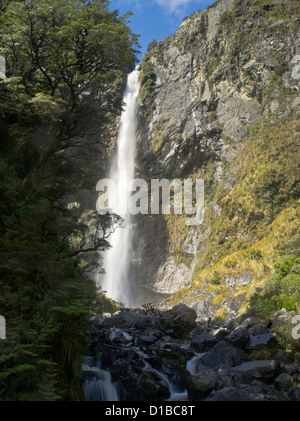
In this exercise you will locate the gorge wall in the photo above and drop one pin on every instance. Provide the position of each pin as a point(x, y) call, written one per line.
point(219, 100)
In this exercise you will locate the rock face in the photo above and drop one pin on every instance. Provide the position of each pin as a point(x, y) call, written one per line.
point(148, 360)
point(203, 90)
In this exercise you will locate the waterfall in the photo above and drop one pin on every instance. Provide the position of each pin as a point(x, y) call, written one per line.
point(97, 383)
point(117, 280)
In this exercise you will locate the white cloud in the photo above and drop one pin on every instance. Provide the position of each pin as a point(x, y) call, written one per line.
point(173, 5)
point(177, 7)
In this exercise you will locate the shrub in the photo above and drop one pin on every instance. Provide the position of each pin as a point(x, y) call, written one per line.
point(282, 290)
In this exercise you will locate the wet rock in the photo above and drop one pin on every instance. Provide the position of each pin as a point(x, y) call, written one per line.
point(108, 356)
point(127, 386)
point(249, 371)
point(174, 366)
point(155, 362)
point(118, 335)
point(129, 354)
point(118, 368)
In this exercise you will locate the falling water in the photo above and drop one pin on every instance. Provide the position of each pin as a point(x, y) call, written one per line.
point(117, 278)
point(97, 383)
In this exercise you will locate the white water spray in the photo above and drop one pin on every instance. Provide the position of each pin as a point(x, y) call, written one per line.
point(116, 280)
point(97, 384)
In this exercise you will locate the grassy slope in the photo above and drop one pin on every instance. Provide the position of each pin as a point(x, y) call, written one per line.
point(258, 216)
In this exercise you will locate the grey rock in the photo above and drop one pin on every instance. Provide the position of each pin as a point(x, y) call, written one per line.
point(259, 329)
point(132, 319)
point(249, 371)
point(284, 381)
point(291, 368)
point(261, 341)
point(203, 342)
point(219, 333)
point(206, 380)
point(241, 279)
point(284, 357)
point(222, 355)
point(178, 321)
point(201, 384)
point(246, 393)
point(118, 368)
point(147, 339)
point(238, 337)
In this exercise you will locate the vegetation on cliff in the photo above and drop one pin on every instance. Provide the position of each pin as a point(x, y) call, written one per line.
point(237, 67)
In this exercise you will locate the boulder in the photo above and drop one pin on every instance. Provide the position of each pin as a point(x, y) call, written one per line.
point(284, 357)
point(134, 320)
point(246, 393)
point(178, 321)
point(222, 355)
point(119, 368)
point(144, 387)
point(284, 381)
point(203, 342)
point(291, 368)
point(261, 341)
point(147, 339)
point(259, 329)
point(238, 337)
point(201, 384)
point(249, 371)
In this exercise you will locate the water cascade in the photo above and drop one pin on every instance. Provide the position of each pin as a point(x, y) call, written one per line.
point(117, 279)
point(97, 383)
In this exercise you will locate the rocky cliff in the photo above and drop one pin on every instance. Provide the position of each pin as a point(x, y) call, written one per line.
point(220, 101)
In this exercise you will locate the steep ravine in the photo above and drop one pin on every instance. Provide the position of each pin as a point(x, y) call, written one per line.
point(219, 100)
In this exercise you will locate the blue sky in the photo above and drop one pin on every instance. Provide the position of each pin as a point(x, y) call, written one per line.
point(156, 19)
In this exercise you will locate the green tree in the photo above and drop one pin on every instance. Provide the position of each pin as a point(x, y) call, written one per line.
point(66, 65)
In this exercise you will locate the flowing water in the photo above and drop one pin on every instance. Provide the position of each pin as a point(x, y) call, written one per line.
point(117, 279)
point(97, 383)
